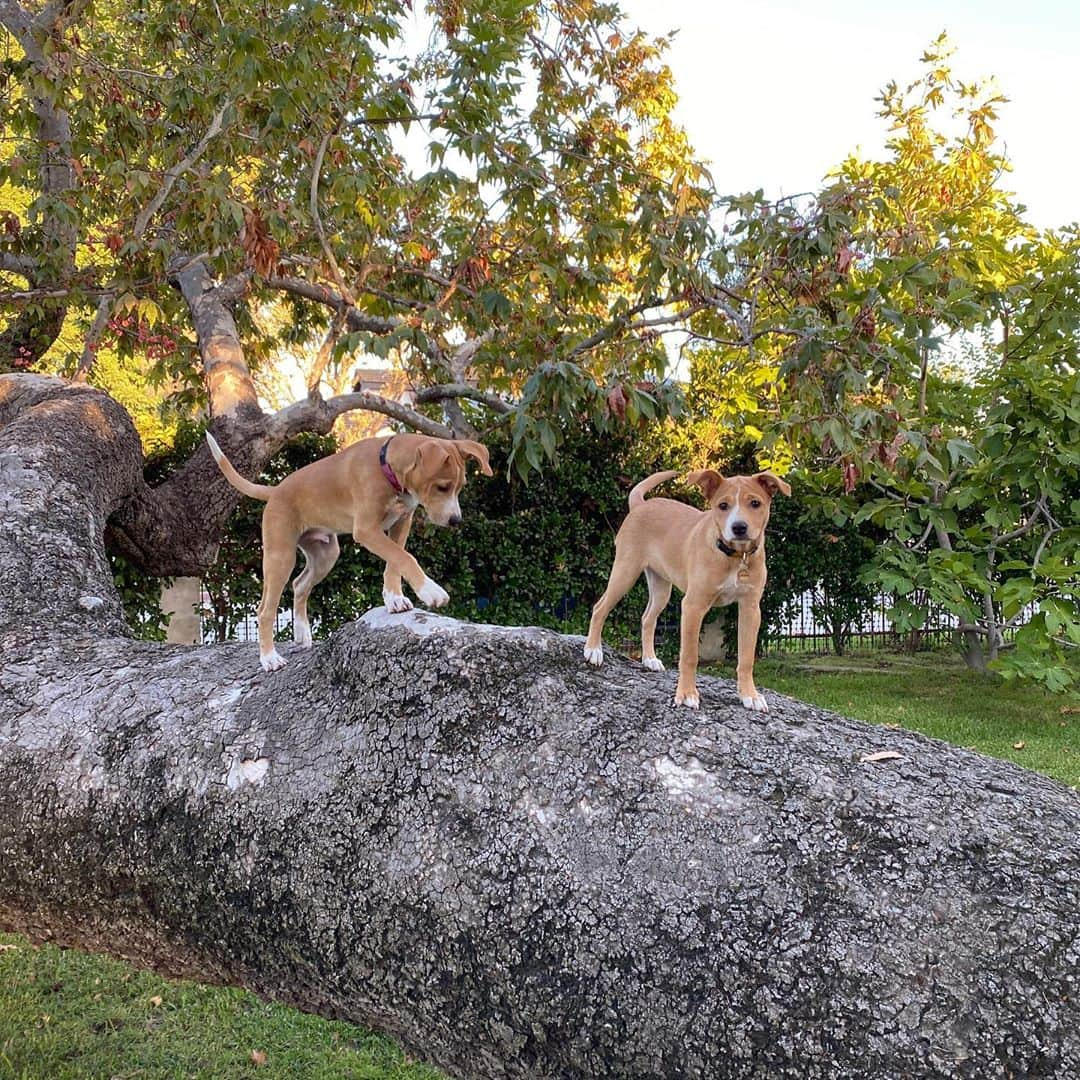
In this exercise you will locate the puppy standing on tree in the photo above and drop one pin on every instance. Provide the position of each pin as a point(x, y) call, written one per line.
point(714, 558)
point(370, 490)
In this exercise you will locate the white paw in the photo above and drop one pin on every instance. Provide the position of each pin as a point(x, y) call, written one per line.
point(691, 700)
point(595, 656)
point(432, 595)
point(756, 703)
point(272, 661)
point(396, 603)
point(301, 634)
point(654, 663)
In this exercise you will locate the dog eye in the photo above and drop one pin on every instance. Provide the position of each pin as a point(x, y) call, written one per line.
point(755, 503)
point(723, 506)
point(444, 487)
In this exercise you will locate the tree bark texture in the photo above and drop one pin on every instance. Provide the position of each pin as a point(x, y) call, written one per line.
point(516, 865)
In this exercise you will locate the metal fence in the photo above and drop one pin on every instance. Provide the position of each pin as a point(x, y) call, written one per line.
point(800, 630)
point(804, 632)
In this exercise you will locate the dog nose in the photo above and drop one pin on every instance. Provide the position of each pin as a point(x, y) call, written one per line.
point(738, 528)
point(455, 519)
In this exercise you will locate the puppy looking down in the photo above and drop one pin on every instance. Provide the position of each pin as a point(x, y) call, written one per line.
point(371, 490)
point(714, 557)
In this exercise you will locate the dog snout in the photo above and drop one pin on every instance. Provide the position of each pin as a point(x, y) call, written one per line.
point(738, 529)
point(454, 519)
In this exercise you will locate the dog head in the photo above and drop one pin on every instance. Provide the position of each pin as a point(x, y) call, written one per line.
point(741, 504)
point(437, 475)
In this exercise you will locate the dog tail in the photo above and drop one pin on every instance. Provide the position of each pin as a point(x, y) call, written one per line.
point(637, 494)
point(256, 491)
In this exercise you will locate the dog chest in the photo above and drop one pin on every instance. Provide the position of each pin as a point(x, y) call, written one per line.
point(735, 585)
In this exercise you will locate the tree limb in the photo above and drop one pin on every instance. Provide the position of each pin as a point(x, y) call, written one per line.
point(316, 217)
point(318, 415)
point(178, 170)
point(22, 265)
point(356, 320)
point(93, 337)
point(228, 379)
point(447, 391)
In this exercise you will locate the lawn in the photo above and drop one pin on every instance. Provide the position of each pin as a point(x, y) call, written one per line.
point(65, 1015)
point(935, 694)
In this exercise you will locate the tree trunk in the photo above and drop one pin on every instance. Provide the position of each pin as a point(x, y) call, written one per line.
point(516, 865)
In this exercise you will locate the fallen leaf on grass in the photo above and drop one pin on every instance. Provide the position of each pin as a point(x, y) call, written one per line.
point(4, 947)
point(1019, 745)
point(156, 1001)
point(258, 1057)
point(881, 755)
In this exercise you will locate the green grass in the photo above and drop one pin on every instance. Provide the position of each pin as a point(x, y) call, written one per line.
point(68, 1016)
point(65, 1015)
point(935, 694)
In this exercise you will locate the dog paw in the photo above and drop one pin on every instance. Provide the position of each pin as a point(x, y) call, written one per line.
point(691, 700)
point(756, 703)
point(595, 656)
point(654, 663)
point(432, 595)
point(272, 661)
point(301, 634)
point(396, 603)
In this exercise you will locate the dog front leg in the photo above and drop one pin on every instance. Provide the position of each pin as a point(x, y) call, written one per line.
point(693, 615)
point(393, 596)
point(400, 562)
point(749, 624)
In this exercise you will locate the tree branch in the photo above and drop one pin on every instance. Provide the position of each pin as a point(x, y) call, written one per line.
point(313, 205)
point(317, 415)
point(178, 170)
point(20, 24)
point(93, 337)
point(356, 320)
point(22, 265)
point(448, 391)
point(228, 379)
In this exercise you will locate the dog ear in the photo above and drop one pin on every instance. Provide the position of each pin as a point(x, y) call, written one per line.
point(430, 455)
point(772, 484)
point(709, 480)
point(473, 449)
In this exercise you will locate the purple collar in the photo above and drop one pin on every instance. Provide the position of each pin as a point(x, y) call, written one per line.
point(391, 478)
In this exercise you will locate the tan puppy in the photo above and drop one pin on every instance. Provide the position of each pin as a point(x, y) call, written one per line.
point(714, 558)
point(370, 490)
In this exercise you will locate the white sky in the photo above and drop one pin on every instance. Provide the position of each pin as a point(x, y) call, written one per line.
point(775, 92)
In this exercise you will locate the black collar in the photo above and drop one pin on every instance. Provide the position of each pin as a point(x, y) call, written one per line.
point(731, 553)
point(389, 473)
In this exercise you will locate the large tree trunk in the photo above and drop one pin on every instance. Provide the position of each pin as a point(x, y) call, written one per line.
point(514, 864)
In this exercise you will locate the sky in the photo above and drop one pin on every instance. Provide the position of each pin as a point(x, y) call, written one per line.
point(774, 93)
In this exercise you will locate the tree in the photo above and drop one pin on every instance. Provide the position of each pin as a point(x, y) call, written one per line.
point(516, 867)
point(186, 168)
point(862, 298)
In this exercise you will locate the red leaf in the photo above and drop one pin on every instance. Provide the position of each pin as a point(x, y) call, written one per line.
point(616, 401)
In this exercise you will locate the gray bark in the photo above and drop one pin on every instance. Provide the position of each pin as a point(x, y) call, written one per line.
point(516, 865)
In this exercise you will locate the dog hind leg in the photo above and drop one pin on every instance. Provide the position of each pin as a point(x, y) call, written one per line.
point(659, 595)
point(321, 551)
point(624, 572)
point(279, 558)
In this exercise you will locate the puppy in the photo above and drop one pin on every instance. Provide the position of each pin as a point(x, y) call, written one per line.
point(370, 490)
point(714, 558)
